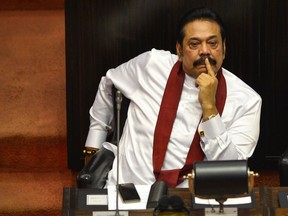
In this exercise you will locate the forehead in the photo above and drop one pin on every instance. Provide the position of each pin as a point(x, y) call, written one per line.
point(202, 29)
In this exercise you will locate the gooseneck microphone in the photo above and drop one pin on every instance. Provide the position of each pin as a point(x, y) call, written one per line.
point(118, 100)
point(118, 104)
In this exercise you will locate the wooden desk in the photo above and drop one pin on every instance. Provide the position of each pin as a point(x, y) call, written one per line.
point(267, 203)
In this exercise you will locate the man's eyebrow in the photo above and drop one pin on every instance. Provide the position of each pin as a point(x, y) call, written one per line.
point(212, 37)
point(199, 39)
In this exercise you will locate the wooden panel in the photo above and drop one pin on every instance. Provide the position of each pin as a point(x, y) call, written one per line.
point(31, 4)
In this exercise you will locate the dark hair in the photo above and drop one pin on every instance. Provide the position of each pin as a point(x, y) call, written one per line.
point(199, 14)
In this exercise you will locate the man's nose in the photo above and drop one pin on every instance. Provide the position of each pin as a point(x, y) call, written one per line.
point(204, 49)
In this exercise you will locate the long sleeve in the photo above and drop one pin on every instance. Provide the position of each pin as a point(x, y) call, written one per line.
point(126, 78)
point(101, 115)
point(235, 134)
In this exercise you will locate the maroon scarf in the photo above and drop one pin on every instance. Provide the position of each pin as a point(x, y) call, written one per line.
point(165, 121)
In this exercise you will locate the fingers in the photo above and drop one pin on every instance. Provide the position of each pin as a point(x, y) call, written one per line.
point(209, 68)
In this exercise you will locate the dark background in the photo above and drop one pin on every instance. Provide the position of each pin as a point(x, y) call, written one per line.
point(103, 34)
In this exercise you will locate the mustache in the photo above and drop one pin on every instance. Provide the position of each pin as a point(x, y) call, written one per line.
point(201, 61)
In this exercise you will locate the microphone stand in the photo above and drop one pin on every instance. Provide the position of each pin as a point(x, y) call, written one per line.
point(118, 108)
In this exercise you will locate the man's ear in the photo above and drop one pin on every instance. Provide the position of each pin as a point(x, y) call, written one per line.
point(179, 51)
point(224, 49)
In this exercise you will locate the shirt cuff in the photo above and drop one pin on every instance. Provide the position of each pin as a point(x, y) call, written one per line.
point(211, 128)
point(95, 138)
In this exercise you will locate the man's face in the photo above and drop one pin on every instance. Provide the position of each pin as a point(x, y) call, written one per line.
point(202, 39)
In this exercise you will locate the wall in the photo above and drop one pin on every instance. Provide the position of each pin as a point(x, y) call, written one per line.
point(32, 84)
point(33, 155)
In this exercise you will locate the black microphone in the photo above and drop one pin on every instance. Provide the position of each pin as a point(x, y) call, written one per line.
point(171, 204)
point(177, 204)
point(163, 204)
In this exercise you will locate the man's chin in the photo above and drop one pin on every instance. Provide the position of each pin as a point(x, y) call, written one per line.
point(196, 73)
point(202, 69)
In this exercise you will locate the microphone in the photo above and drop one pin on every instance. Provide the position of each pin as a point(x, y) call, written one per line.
point(163, 204)
point(118, 100)
point(170, 204)
point(177, 204)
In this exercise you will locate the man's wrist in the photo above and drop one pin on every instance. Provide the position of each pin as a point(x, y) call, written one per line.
point(209, 112)
point(89, 151)
point(211, 116)
point(208, 117)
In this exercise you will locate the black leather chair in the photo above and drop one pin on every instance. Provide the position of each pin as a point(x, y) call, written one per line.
point(94, 174)
point(283, 168)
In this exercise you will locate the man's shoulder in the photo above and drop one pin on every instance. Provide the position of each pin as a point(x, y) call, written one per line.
point(237, 86)
point(155, 56)
point(232, 78)
point(160, 51)
point(162, 54)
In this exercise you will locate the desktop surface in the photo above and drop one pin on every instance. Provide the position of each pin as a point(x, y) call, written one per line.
point(266, 203)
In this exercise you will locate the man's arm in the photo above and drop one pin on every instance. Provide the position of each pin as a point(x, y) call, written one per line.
point(101, 116)
point(237, 138)
point(207, 84)
point(219, 141)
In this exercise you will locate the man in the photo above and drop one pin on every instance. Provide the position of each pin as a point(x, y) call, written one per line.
point(183, 107)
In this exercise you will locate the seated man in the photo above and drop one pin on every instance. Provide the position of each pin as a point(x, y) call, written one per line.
point(183, 107)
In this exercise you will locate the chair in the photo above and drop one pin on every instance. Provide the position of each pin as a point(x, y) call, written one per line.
point(283, 168)
point(94, 174)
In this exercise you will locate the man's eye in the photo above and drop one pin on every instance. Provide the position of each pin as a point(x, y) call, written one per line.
point(194, 45)
point(213, 44)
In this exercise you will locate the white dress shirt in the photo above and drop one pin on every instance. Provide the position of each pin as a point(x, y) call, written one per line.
point(234, 135)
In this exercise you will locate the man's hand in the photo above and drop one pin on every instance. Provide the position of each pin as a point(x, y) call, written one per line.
point(207, 83)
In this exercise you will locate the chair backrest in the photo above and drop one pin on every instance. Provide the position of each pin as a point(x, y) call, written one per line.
point(94, 174)
point(283, 168)
point(112, 137)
